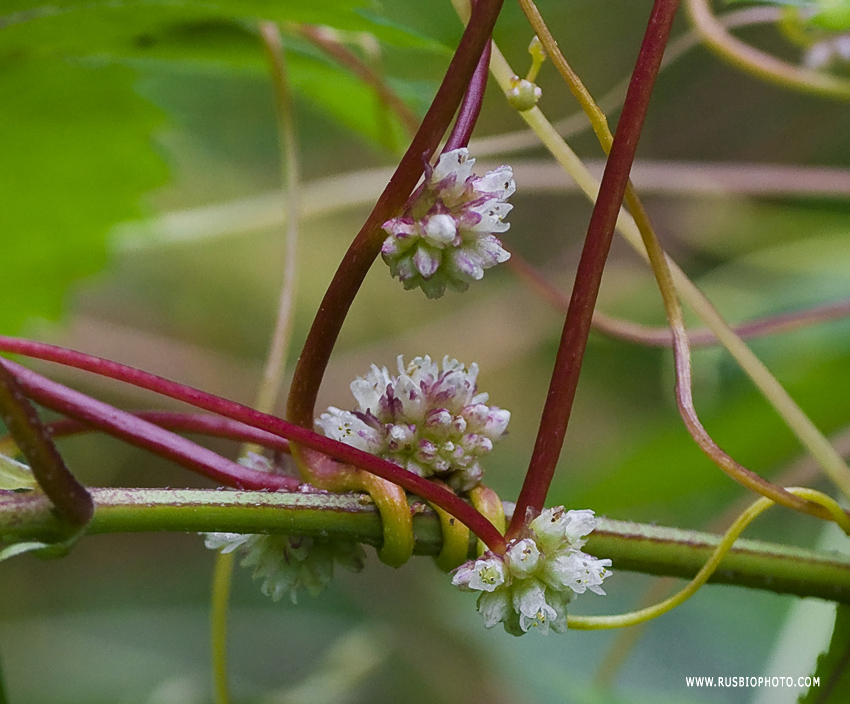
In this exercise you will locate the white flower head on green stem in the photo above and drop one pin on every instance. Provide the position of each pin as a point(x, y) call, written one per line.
point(531, 585)
point(430, 419)
point(288, 564)
point(446, 235)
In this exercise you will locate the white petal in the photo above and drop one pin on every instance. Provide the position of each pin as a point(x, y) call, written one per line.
point(455, 162)
point(495, 607)
point(523, 558)
point(580, 524)
point(528, 597)
point(348, 428)
point(467, 264)
point(500, 182)
point(550, 528)
point(427, 261)
point(484, 574)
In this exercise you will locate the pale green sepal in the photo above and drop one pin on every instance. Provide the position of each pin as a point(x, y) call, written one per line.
point(21, 548)
point(15, 475)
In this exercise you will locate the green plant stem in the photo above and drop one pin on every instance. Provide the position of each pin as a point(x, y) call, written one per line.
point(275, 366)
point(219, 606)
point(711, 564)
point(757, 63)
point(662, 271)
point(324, 40)
point(631, 546)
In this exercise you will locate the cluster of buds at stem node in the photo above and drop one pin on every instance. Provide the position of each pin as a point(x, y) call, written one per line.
point(429, 419)
point(445, 237)
point(541, 571)
point(288, 564)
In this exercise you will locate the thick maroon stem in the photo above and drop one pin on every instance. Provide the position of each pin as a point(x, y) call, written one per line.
point(366, 246)
point(70, 499)
point(600, 232)
point(429, 491)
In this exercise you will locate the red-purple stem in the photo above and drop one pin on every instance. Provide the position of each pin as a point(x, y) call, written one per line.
point(470, 108)
point(662, 336)
point(199, 423)
point(148, 436)
point(70, 499)
point(367, 244)
point(429, 491)
point(600, 232)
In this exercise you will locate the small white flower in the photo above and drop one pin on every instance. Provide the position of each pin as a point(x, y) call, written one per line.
point(523, 557)
point(539, 574)
point(485, 574)
point(445, 237)
point(495, 607)
point(430, 419)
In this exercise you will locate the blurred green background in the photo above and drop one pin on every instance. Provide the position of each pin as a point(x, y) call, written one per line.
point(121, 133)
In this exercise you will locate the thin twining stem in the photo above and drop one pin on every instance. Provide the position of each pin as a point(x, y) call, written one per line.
point(139, 432)
point(725, 545)
point(756, 62)
point(275, 366)
point(797, 473)
point(429, 491)
point(197, 423)
point(600, 233)
point(572, 125)
point(357, 261)
point(70, 499)
point(652, 336)
point(799, 423)
point(663, 270)
point(326, 40)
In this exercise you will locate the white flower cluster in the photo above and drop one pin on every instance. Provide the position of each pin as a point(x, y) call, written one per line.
point(445, 236)
point(531, 585)
point(286, 563)
point(428, 419)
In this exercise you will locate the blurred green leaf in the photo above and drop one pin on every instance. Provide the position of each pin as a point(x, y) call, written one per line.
point(832, 672)
point(218, 36)
point(77, 157)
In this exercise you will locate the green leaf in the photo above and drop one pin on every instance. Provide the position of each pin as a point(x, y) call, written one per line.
point(15, 475)
point(832, 674)
point(137, 27)
point(77, 157)
point(217, 36)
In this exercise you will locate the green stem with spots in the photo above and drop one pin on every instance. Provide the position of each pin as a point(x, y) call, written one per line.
point(631, 546)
